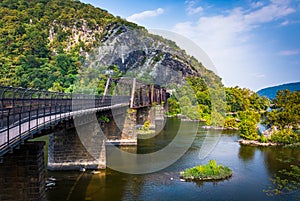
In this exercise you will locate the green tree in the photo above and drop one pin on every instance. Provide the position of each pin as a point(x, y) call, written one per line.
point(285, 136)
point(230, 122)
point(248, 124)
point(286, 110)
point(239, 99)
point(173, 106)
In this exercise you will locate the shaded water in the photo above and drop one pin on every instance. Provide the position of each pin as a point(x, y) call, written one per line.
point(252, 167)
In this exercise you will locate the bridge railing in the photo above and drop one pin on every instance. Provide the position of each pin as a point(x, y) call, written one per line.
point(25, 111)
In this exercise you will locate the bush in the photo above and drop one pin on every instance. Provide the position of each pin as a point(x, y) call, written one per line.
point(146, 125)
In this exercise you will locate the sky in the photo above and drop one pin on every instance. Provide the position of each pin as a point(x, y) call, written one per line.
point(252, 43)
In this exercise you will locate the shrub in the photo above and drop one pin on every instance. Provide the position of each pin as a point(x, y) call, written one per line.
point(146, 125)
point(213, 164)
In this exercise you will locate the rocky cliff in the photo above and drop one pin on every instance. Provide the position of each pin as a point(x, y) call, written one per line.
point(42, 36)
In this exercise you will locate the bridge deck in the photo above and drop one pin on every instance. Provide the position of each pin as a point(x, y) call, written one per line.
point(19, 133)
point(24, 112)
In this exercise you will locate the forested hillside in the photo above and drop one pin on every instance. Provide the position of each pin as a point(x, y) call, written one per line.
point(271, 92)
point(43, 44)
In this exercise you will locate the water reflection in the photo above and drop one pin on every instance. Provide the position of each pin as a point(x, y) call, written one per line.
point(278, 158)
point(246, 153)
point(252, 168)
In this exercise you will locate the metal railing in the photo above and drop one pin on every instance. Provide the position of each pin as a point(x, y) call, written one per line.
point(24, 112)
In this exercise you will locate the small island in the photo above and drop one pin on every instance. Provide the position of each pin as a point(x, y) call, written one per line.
point(209, 172)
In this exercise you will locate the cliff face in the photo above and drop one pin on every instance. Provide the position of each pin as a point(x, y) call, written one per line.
point(58, 36)
point(142, 55)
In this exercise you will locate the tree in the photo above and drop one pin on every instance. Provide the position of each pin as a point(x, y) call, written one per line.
point(230, 122)
point(239, 99)
point(173, 106)
point(248, 124)
point(286, 110)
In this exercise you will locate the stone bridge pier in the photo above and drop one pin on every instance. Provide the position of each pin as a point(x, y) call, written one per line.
point(22, 173)
point(154, 114)
point(73, 148)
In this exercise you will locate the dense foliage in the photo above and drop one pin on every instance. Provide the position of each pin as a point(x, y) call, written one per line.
point(248, 124)
point(239, 99)
point(284, 118)
point(197, 100)
point(286, 110)
point(285, 136)
point(43, 42)
point(211, 171)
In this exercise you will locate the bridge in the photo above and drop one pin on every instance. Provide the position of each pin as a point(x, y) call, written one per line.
point(28, 113)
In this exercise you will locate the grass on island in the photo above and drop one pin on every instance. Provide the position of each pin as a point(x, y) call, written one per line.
point(210, 171)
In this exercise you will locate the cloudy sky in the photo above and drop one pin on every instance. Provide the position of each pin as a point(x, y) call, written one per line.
point(252, 43)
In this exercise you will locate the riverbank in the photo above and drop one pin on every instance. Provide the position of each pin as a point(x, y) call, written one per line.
point(184, 118)
point(267, 144)
point(218, 128)
point(257, 143)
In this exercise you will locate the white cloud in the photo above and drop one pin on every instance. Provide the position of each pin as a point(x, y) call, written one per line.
point(256, 4)
point(192, 9)
point(269, 13)
point(145, 14)
point(285, 23)
point(227, 38)
point(289, 52)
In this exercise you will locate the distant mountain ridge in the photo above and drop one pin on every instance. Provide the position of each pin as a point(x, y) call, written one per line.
point(270, 92)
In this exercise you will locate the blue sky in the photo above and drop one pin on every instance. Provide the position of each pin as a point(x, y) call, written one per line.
point(252, 43)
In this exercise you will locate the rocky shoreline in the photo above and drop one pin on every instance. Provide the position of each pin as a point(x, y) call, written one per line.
point(257, 143)
point(209, 178)
point(217, 128)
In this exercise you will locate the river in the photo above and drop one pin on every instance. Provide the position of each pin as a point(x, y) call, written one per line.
point(252, 169)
